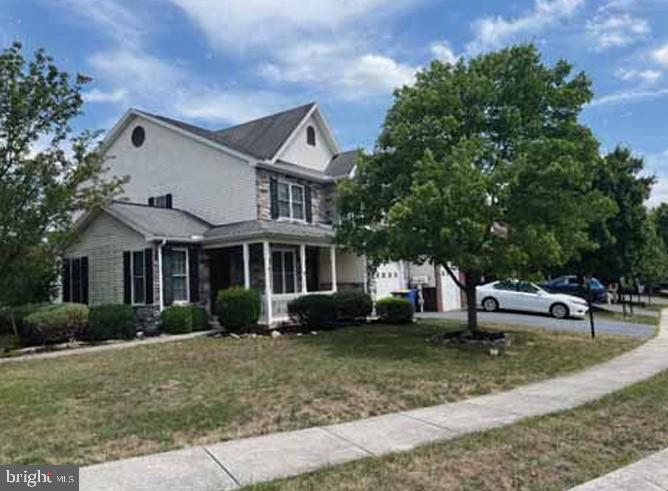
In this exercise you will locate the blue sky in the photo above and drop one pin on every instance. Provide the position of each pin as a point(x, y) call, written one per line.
point(220, 62)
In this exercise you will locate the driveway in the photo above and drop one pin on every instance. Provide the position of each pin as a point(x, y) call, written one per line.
point(603, 326)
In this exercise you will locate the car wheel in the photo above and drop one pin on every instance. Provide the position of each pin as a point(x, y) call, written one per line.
point(559, 311)
point(490, 305)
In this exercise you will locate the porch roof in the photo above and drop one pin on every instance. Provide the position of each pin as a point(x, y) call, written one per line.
point(259, 229)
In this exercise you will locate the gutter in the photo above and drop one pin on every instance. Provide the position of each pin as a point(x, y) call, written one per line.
point(161, 293)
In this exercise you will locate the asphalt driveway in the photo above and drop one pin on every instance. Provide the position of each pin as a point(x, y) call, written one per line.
point(603, 326)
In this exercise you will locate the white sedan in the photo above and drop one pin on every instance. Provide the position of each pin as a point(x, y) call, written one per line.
point(528, 297)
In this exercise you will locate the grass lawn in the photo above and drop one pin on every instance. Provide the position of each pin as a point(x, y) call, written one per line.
point(618, 316)
point(547, 453)
point(97, 407)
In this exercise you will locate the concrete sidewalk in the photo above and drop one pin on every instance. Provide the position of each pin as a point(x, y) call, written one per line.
point(237, 463)
point(650, 474)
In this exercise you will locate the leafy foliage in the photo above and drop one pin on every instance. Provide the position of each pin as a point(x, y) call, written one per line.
point(177, 319)
point(58, 322)
point(42, 181)
point(392, 310)
point(238, 308)
point(482, 164)
point(313, 311)
point(111, 322)
point(352, 305)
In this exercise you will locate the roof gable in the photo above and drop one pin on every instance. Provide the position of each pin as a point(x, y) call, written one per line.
point(264, 137)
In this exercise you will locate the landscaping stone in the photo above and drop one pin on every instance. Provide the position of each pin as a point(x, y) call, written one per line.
point(275, 334)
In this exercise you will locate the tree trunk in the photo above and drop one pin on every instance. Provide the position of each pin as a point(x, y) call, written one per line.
point(472, 310)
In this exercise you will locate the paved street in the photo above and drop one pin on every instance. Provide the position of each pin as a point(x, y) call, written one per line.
point(603, 326)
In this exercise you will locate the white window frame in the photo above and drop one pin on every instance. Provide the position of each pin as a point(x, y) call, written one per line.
point(187, 275)
point(283, 251)
point(291, 201)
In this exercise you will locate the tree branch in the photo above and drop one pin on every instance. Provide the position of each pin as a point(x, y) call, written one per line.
point(454, 277)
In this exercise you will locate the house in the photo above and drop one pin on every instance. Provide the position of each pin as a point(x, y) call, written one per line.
point(250, 205)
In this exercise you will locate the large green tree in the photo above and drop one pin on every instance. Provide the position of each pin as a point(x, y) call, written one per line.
point(47, 173)
point(482, 164)
point(620, 238)
point(660, 217)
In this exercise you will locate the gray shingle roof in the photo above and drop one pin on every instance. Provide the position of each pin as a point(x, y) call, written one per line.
point(263, 137)
point(260, 138)
point(274, 229)
point(342, 164)
point(159, 222)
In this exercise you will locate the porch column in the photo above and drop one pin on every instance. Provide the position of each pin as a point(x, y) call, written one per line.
point(332, 261)
point(267, 280)
point(302, 259)
point(246, 265)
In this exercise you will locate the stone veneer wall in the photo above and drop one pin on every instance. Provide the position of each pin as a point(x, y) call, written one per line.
point(322, 196)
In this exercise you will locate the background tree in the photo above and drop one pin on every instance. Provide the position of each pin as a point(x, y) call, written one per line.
point(620, 237)
point(482, 164)
point(40, 191)
point(660, 217)
point(652, 261)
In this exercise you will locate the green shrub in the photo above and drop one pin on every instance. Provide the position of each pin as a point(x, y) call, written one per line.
point(55, 323)
point(392, 310)
point(177, 319)
point(352, 305)
point(313, 311)
point(238, 308)
point(111, 322)
point(200, 318)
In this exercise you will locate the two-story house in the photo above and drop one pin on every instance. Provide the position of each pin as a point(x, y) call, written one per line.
point(250, 205)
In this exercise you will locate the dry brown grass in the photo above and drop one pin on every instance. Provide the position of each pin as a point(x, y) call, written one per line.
point(103, 406)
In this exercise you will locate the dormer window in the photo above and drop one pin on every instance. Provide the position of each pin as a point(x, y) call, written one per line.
point(164, 201)
point(310, 136)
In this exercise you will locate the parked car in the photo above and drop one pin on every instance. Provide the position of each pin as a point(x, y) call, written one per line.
point(528, 297)
point(570, 285)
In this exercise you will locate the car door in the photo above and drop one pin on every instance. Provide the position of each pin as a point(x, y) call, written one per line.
point(505, 293)
point(529, 298)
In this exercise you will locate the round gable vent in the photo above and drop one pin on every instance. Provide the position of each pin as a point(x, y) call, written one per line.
point(138, 136)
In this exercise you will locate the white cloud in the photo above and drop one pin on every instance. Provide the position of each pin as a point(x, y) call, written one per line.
point(494, 32)
point(234, 25)
point(617, 30)
point(657, 164)
point(338, 68)
point(111, 96)
point(629, 96)
point(443, 52)
point(112, 17)
point(660, 55)
point(644, 76)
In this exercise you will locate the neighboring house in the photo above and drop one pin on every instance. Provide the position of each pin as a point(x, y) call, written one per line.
point(250, 205)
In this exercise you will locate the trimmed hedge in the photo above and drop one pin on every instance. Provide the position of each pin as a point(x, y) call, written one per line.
point(56, 323)
point(392, 310)
point(352, 305)
point(316, 310)
point(200, 318)
point(238, 308)
point(111, 322)
point(182, 319)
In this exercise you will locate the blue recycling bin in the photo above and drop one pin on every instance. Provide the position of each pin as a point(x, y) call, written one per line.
point(411, 295)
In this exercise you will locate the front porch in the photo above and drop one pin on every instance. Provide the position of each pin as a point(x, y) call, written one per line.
point(282, 270)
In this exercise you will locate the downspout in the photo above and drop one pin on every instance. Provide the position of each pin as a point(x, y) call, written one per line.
point(161, 294)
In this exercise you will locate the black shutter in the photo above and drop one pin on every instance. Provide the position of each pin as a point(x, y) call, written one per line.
point(193, 270)
point(168, 292)
point(84, 280)
point(67, 283)
point(127, 278)
point(308, 204)
point(273, 194)
point(151, 201)
point(76, 280)
point(168, 201)
point(148, 274)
